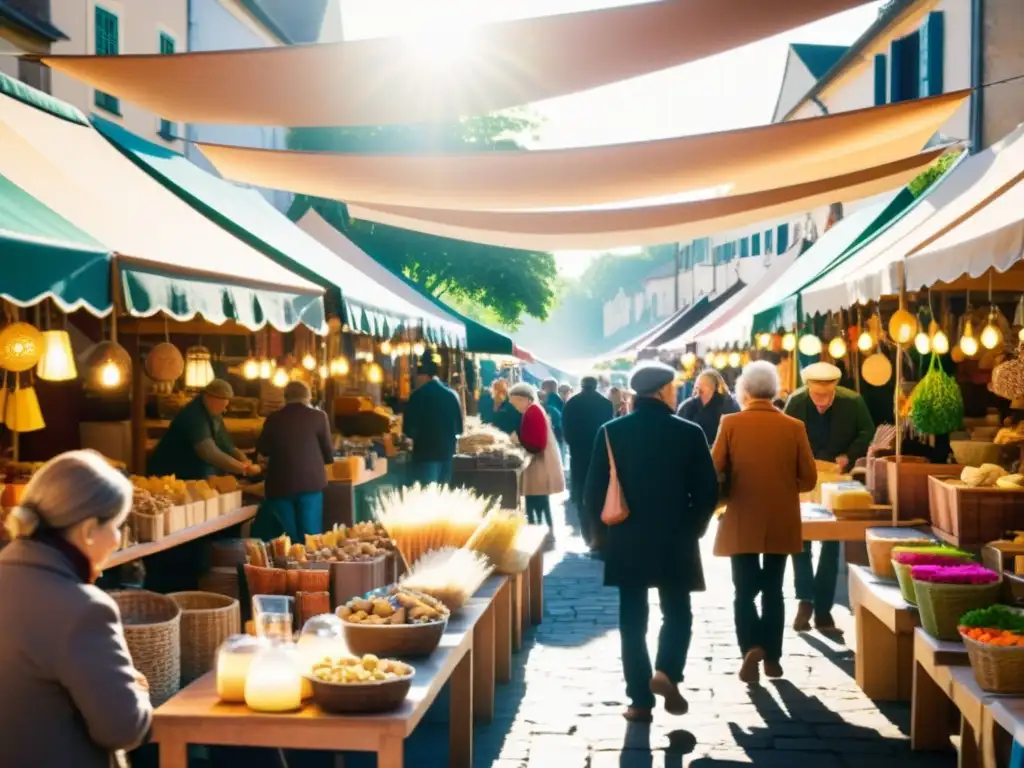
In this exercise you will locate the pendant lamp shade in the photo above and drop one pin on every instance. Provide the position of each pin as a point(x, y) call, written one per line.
point(251, 369)
point(109, 366)
point(22, 412)
point(198, 368)
point(58, 360)
point(21, 346)
point(165, 363)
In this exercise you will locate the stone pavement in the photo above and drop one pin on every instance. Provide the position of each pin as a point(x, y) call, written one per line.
point(563, 708)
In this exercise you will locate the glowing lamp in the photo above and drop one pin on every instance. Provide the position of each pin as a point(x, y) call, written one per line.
point(837, 348)
point(266, 369)
point(418, 349)
point(689, 360)
point(709, 358)
point(58, 360)
point(280, 378)
point(22, 412)
point(251, 369)
point(991, 336)
point(109, 365)
point(902, 327)
point(940, 343)
point(734, 359)
point(865, 342)
point(375, 374)
point(21, 346)
point(339, 366)
point(810, 345)
point(968, 344)
point(721, 360)
point(764, 340)
point(386, 348)
point(198, 368)
point(922, 343)
point(309, 362)
point(789, 342)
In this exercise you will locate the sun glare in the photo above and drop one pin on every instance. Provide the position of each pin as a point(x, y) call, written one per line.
point(440, 46)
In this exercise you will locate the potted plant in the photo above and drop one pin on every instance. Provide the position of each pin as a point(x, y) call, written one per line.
point(947, 592)
point(904, 558)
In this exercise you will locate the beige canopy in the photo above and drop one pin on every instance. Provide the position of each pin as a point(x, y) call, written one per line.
point(646, 225)
point(747, 160)
point(395, 80)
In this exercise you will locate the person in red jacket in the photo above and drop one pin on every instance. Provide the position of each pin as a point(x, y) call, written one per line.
point(543, 475)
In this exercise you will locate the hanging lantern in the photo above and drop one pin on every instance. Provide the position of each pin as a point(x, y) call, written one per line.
point(810, 345)
point(21, 346)
point(902, 327)
point(689, 360)
point(940, 343)
point(734, 359)
point(375, 374)
point(280, 378)
point(709, 358)
point(922, 343)
point(164, 363)
point(721, 360)
point(386, 348)
point(418, 349)
point(267, 369)
point(309, 362)
point(789, 342)
point(22, 412)
point(58, 360)
point(865, 342)
point(876, 370)
point(991, 336)
point(198, 368)
point(339, 366)
point(109, 366)
point(837, 348)
point(764, 340)
point(324, 371)
point(968, 344)
point(251, 369)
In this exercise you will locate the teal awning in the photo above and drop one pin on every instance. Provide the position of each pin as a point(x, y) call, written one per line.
point(368, 306)
point(46, 256)
point(779, 306)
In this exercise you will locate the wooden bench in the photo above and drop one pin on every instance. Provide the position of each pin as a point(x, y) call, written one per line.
point(195, 716)
point(885, 625)
point(492, 644)
point(528, 586)
point(931, 702)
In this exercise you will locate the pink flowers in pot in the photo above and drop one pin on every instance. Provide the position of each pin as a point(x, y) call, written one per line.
point(930, 556)
point(970, 573)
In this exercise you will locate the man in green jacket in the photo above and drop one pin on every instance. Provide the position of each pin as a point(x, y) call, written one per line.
point(840, 430)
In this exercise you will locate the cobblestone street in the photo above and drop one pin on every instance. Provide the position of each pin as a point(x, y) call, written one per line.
point(563, 708)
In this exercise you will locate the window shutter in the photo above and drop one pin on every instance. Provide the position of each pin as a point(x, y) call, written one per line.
point(768, 241)
point(881, 91)
point(744, 248)
point(903, 72)
point(783, 241)
point(755, 244)
point(932, 42)
point(107, 44)
point(166, 130)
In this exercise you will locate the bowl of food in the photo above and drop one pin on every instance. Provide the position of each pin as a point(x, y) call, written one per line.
point(393, 621)
point(360, 685)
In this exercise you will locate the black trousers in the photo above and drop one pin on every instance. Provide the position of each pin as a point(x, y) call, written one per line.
point(673, 642)
point(753, 575)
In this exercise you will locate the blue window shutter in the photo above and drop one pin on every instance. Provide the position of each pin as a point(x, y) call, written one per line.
point(768, 248)
point(903, 72)
point(881, 80)
point(744, 248)
point(107, 44)
point(932, 41)
point(783, 241)
point(755, 244)
point(166, 126)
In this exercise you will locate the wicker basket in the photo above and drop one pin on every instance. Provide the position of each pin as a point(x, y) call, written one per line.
point(207, 620)
point(906, 583)
point(223, 581)
point(880, 542)
point(997, 668)
point(152, 627)
point(942, 605)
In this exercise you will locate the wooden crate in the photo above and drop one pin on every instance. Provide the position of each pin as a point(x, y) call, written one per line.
point(914, 501)
point(971, 517)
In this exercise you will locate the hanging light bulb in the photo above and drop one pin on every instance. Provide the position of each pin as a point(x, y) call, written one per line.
point(991, 336)
point(309, 362)
point(810, 345)
point(764, 341)
point(266, 369)
point(385, 348)
point(922, 343)
point(865, 342)
point(324, 371)
point(968, 344)
point(418, 349)
point(689, 360)
point(721, 360)
point(1020, 335)
point(339, 366)
point(375, 374)
point(940, 343)
point(734, 359)
point(709, 358)
point(58, 361)
point(837, 348)
point(902, 327)
point(251, 369)
point(789, 342)
point(280, 378)
point(110, 375)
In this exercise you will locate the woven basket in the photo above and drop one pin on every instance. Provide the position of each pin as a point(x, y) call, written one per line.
point(998, 669)
point(207, 620)
point(906, 583)
point(152, 627)
point(942, 605)
point(880, 542)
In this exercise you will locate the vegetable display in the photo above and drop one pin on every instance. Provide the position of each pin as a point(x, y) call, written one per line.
point(993, 636)
point(971, 573)
point(935, 555)
point(938, 406)
point(998, 617)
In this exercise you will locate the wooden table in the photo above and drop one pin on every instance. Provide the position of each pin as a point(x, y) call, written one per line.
point(492, 645)
point(528, 586)
point(818, 528)
point(885, 624)
point(931, 699)
point(195, 716)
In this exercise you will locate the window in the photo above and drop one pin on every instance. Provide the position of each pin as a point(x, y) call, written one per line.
point(768, 241)
point(166, 126)
point(700, 251)
point(904, 55)
point(107, 44)
point(744, 248)
point(755, 244)
point(931, 55)
point(881, 79)
point(783, 240)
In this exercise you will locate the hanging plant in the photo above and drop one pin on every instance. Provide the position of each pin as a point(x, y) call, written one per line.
point(938, 406)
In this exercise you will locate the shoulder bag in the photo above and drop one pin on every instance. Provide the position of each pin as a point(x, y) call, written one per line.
point(615, 510)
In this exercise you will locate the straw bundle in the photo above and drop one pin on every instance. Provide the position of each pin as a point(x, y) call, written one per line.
point(450, 575)
point(421, 519)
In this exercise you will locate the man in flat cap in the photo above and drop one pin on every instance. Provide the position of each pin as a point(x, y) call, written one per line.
point(664, 470)
point(840, 430)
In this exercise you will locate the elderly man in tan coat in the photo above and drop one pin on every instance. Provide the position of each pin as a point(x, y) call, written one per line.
point(765, 461)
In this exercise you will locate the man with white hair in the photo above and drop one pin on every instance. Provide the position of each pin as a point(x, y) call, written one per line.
point(840, 429)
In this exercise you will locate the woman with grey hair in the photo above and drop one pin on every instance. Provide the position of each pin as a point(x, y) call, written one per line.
point(543, 475)
point(765, 461)
point(73, 695)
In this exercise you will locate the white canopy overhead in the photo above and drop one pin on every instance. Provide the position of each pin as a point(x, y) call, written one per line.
point(966, 190)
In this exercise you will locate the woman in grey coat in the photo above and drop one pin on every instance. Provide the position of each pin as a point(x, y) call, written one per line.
point(72, 696)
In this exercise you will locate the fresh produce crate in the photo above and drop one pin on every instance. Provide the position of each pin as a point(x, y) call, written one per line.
point(971, 517)
point(914, 499)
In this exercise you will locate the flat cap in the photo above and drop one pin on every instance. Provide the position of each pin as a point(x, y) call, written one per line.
point(649, 377)
point(219, 388)
point(821, 373)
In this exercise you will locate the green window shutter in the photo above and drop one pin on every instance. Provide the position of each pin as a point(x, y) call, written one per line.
point(783, 241)
point(166, 126)
point(881, 80)
point(932, 41)
point(107, 44)
point(768, 247)
point(903, 72)
point(755, 244)
point(744, 248)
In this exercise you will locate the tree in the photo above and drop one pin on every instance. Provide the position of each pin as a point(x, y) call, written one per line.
point(933, 173)
point(501, 283)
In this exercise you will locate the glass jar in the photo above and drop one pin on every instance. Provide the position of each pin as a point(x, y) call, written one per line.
point(234, 658)
point(322, 637)
point(274, 682)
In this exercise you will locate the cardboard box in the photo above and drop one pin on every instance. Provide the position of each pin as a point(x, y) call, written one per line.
point(175, 519)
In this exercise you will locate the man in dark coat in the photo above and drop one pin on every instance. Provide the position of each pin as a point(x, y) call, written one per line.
point(668, 481)
point(433, 419)
point(708, 404)
point(840, 430)
point(584, 414)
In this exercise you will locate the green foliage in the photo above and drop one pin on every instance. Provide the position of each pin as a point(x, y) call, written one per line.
point(933, 173)
point(502, 284)
point(609, 272)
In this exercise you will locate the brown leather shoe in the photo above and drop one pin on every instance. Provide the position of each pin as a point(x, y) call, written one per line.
point(773, 669)
point(827, 626)
point(804, 612)
point(750, 669)
point(675, 704)
point(638, 715)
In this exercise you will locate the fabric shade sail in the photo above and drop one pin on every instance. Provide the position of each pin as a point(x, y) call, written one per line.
point(747, 160)
point(603, 229)
point(170, 257)
point(368, 306)
point(965, 190)
point(47, 257)
point(463, 72)
point(780, 307)
point(738, 304)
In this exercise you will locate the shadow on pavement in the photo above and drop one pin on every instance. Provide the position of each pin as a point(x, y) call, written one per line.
point(637, 752)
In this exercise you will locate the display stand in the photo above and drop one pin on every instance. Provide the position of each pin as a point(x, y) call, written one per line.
point(885, 624)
